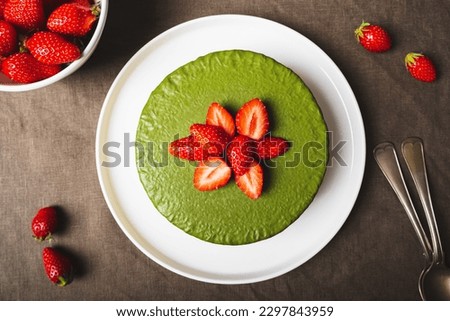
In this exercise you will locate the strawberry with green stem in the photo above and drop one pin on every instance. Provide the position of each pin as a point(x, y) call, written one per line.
point(373, 37)
point(420, 67)
point(57, 266)
point(73, 19)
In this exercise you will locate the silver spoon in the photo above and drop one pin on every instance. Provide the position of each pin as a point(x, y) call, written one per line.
point(387, 159)
point(434, 283)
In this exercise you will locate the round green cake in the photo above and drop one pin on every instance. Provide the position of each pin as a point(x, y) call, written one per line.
point(227, 215)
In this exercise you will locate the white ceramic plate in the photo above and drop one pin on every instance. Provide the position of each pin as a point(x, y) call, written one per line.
point(158, 238)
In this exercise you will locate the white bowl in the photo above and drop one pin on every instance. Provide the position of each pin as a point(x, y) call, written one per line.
point(7, 84)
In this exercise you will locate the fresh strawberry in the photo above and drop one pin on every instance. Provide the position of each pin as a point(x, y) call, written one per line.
point(211, 174)
point(58, 266)
point(8, 38)
point(2, 8)
point(252, 119)
point(44, 223)
point(251, 183)
point(217, 115)
point(26, 14)
point(271, 147)
point(241, 153)
point(420, 67)
point(187, 148)
point(51, 48)
point(72, 19)
point(24, 68)
point(211, 138)
point(372, 37)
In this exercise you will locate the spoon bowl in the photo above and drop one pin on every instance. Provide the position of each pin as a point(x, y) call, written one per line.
point(434, 280)
point(434, 283)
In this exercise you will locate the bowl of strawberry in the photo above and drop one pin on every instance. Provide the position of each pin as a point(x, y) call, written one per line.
point(43, 41)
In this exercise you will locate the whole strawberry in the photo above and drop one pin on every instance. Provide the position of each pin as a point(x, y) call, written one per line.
point(72, 19)
point(58, 266)
point(44, 223)
point(420, 67)
point(372, 37)
point(51, 48)
point(24, 68)
point(8, 38)
point(26, 14)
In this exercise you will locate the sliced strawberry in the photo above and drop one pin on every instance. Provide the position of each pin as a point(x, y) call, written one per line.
point(251, 183)
point(252, 119)
point(211, 174)
point(241, 153)
point(219, 116)
point(271, 147)
point(187, 148)
point(212, 138)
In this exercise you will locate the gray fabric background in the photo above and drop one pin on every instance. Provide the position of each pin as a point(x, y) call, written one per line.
point(47, 158)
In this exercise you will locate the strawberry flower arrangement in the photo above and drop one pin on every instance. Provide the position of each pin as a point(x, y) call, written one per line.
point(224, 146)
point(39, 37)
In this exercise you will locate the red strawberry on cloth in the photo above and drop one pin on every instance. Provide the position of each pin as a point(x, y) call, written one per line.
point(44, 223)
point(420, 67)
point(372, 37)
point(58, 266)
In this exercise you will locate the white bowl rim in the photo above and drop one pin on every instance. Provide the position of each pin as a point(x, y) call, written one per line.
point(87, 52)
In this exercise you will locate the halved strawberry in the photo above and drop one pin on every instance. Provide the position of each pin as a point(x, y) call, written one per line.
point(212, 138)
point(187, 148)
point(270, 147)
point(252, 119)
point(217, 115)
point(251, 183)
point(211, 174)
point(241, 153)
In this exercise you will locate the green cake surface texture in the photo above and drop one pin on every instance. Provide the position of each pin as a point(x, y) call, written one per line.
point(291, 181)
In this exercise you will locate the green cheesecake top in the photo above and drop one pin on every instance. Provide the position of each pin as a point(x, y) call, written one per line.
point(226, 215)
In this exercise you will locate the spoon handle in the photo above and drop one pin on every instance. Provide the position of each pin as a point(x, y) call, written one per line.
point(387, 159)
point(413, 152)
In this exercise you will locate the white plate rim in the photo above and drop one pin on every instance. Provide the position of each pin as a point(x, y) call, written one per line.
point(357, 170)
